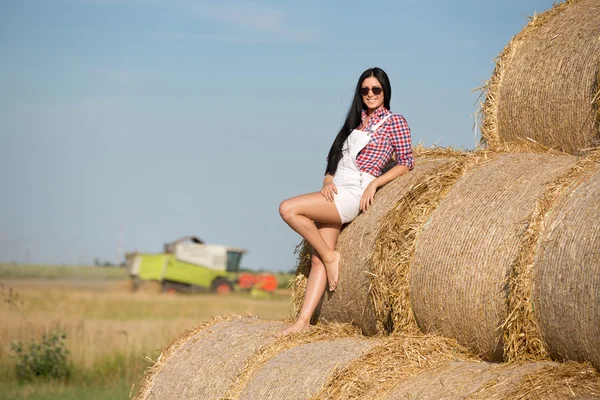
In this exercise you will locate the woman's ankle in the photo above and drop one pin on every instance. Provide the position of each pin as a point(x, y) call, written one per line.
point(302, 321)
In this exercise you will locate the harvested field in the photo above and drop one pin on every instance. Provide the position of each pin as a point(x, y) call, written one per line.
point(545, 84)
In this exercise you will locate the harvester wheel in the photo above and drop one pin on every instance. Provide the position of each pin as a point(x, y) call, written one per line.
point(221, 286)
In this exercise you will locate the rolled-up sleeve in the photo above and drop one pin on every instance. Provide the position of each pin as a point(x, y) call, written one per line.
point(400, 137)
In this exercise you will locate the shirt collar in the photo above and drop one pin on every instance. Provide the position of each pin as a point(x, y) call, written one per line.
point(379, 113)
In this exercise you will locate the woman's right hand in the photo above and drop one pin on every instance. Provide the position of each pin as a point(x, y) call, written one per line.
point(329, 189)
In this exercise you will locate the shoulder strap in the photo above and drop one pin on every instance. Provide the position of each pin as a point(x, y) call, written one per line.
point(374, 129)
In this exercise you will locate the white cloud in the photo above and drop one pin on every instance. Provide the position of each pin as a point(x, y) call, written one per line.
point(239, 19)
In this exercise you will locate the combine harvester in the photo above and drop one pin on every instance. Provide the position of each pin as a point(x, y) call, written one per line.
point(189, 265)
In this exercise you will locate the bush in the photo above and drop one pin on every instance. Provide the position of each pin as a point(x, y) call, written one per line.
point(46, 360)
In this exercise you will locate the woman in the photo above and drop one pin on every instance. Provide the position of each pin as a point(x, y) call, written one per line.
point(364, 145)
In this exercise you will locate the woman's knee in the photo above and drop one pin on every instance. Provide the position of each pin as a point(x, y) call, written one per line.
point(286, 209)
point(316, 263)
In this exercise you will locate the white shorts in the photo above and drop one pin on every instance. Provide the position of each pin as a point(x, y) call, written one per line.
point(351, 184)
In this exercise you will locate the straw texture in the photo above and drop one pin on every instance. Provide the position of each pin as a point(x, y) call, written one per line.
point(567, 274)
point(267, 352)
point(539, 380)
point(545, 83)
point(460, 380)
point(205, 363)
point(398, 234)
point(466, 251)
point(351, 302)
point(555, 381)
point(396, 357)
point(300, 372)
point(522, 337)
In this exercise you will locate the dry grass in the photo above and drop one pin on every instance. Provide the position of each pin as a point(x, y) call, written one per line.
point(298, 285)
point(111, 331)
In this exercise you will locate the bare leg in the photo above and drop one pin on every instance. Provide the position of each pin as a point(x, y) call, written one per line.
point(301, 213)
point(315, 285)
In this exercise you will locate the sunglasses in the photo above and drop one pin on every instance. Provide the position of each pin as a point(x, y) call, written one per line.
point(365, 91)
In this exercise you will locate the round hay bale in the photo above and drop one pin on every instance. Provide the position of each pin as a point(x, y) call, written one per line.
point(266, 353)
point(545, 84)
point(540, 380)
point(351, 302)
point(395, 358)
point(459, 380)
point(203, 363)
point(470, 245)
point(299, 373)
point(567, 274)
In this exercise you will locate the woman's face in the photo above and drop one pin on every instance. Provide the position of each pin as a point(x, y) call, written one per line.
point(372, 100)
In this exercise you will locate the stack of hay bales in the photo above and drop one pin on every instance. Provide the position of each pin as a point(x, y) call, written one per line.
point(490, 255)
point(495, 247)
point(239, 358)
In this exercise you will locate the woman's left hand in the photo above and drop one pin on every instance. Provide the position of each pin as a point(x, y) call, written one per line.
point(367, 198)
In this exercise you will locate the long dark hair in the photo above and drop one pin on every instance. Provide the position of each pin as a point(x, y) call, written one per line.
point(353, 119)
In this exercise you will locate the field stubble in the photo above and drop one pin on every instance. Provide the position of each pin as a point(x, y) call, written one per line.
point(112, 334)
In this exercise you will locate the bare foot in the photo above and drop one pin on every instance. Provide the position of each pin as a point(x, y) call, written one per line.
point(333, 269)
point(295, 327)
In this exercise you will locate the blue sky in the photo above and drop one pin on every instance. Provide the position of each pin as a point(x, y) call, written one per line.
point(154, 119)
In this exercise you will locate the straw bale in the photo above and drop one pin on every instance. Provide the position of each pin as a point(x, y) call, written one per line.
point(204, 362)
point(469, 246)
point(351, 302)
point(461, 380)
point(469, 380)
point(545, 82)
point(396, 357)
point(567, 272)
point(522, 338)
point(300, 372)
point(267, 352)
point(555, 381)
point(398, 235)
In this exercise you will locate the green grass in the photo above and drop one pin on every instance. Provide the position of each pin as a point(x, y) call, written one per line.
point(61, 391)
point(17, 271)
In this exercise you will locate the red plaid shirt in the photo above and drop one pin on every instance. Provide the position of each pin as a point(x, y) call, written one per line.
point(391, 137)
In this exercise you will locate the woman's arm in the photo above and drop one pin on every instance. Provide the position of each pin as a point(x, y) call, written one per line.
point(369, 193)
point(399, 135)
